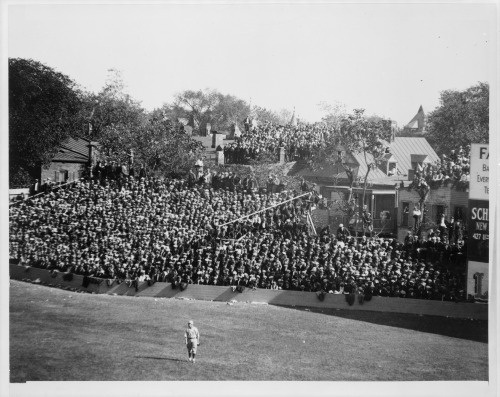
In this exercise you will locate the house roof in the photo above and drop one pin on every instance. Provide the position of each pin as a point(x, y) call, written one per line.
point(73, 149)
point(420, 158)
point(375, 173)
point(389, 157)
point(337, 172)
point(404, 147)
point(418, 120)
point(328, 171)
point(404, 150)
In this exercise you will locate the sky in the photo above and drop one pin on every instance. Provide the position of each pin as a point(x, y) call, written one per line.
point(386, 58)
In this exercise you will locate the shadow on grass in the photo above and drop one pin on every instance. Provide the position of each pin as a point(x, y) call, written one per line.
point(162, 358)
point(474, 330)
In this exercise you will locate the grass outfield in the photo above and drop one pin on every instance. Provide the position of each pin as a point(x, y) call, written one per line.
point(57, 335)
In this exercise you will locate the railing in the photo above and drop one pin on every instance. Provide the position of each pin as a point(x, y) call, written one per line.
point(53, 188)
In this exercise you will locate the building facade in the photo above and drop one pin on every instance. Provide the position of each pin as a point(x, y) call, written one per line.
point(444, 200)
point(385, 184)
point(71, 160)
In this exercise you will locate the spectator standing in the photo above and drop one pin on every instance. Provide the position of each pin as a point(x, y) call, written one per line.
point(416, 216)
point(367, 222)
point(342, 233)
point(142, 172)
point(35, 188)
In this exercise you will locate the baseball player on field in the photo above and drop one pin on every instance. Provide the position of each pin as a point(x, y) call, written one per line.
point(192, 337)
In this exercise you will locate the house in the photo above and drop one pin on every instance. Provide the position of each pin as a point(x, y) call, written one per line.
point(384, 183)
point(71, 160)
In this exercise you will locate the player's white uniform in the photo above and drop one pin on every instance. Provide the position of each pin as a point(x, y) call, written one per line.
point(193, 337)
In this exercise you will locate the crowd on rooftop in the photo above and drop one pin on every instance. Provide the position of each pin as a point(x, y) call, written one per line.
point(145, 228)
point(451, 169)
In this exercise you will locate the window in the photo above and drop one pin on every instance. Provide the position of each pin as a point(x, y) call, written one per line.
point(63, 176)
point(439, 210)
point(478, 283)
point(405, 214)
point(392, 168)
point(459, 213)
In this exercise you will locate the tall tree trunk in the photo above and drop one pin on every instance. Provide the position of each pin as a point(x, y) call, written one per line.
point(365, 183)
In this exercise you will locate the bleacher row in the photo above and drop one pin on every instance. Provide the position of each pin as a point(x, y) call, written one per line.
point(141, 229)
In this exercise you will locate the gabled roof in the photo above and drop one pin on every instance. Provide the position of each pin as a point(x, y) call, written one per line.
point(337, 172)
point(301, 169)
point(375, 172)
point(389, 157)
point(412, 124)
point(418, 121)
point(73, 149)
point(404, 147)
point(420, 158)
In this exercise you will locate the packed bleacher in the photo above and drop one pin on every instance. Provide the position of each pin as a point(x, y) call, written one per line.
point(298, 141)
point(132, 228)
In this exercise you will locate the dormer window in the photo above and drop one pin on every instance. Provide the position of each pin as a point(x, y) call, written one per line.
point(392, 168)
point(419, 161)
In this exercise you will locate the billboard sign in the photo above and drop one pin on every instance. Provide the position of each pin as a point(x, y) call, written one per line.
point(478, 225)
point(478, 229)
point(479, 172)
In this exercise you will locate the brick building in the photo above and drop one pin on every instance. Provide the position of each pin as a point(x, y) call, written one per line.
point(72, 158)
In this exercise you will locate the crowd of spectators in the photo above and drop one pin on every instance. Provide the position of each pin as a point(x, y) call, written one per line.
point(144, 228)
point(453, 170)
point(298, 142)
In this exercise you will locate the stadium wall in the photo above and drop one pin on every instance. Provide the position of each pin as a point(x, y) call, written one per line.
point(263, 296)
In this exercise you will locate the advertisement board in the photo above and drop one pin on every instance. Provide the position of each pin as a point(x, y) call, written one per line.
point(477, 283)
point(479, 172)
point(478, 229)
point(478, 226)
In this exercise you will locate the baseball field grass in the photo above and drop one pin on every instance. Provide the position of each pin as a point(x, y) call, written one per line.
point(57, 335)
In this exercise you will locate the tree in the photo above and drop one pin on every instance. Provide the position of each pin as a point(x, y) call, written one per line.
point(209, 106)
point(199, 104)
point(461, 119)
point(164, 147)
point(264, 114)
point(229, 110)
point(334, 113)
point(355, 134)
point(44, 110)
point(285, 116)
point(113, 115)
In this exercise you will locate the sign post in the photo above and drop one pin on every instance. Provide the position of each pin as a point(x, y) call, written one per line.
point(478, 223)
